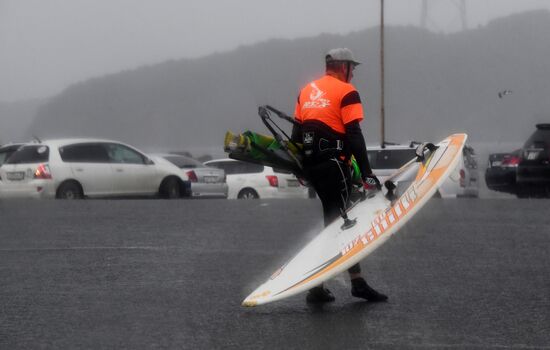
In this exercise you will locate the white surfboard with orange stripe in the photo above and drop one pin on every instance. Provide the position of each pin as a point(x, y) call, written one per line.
point(335, 249)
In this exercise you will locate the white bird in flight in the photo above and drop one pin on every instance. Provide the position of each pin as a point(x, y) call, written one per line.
point(503, 93)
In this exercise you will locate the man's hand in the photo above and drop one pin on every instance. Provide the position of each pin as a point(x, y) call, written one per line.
point(371, 182)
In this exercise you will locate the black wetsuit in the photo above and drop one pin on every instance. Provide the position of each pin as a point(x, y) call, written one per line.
point(326, 165)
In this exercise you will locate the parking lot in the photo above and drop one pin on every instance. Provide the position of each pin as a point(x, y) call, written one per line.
point(142, 274)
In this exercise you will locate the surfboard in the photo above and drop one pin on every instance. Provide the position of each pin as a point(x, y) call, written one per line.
point(337, 247)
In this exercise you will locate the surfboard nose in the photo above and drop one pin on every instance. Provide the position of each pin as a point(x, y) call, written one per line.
point(249, 303)
point(259, 296)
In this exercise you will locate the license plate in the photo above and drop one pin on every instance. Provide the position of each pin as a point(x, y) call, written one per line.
point(496, 163)
point(210, 179)
point(15, 176)
point(292, 183)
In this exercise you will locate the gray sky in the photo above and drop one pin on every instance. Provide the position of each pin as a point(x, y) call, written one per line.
point(46, 45)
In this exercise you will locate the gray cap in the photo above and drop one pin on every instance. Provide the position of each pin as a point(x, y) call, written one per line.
point(341, 55)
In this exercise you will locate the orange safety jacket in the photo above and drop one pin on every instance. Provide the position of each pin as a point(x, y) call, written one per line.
point(331, 101)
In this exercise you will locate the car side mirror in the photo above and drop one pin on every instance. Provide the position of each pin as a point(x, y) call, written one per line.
point(148, 161)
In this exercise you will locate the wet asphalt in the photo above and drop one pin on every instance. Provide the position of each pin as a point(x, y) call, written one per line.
point(155, 274)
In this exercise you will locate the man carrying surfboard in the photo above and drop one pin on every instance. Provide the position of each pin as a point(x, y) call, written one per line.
point(328, 113)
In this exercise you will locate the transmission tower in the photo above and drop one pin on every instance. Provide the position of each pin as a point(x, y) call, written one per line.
point(429, 20)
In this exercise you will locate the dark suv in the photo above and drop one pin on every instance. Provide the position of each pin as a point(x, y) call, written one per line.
point(533, 172)
point(501, 172)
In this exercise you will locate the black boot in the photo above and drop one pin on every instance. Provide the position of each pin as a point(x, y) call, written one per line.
point(360, 289)
point(318, 295)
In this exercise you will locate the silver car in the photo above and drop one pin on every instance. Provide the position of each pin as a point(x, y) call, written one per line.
point(205, 181)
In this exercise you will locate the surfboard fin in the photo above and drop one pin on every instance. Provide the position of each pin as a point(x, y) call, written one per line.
point(390, 186)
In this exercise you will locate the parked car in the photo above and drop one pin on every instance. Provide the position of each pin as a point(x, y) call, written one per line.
point(500, 174)
point(7, 150)
point(533, 171)
point(78, 168)
point(249, 181)
point(205, 181)
point(463, 181)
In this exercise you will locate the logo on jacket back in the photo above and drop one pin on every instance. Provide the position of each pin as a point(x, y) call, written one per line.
point(315, 98)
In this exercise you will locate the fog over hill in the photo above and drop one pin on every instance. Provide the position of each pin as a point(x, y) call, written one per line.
point(16, 118)
point(436, 84)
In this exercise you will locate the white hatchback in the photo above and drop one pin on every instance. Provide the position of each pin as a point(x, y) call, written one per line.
point(78, 168)
point(250, 181)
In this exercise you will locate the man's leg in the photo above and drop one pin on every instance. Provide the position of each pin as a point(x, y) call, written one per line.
point(326, 178)
point(360, 288)
point(334, 205)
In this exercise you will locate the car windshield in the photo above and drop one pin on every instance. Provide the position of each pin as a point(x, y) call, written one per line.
point(6, 152)
point(30, 154)
point(184, 162)
point(237, 167)
point(282, 171)
point(390, 158)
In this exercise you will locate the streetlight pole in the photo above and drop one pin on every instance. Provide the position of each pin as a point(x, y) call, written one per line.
point(382, 108)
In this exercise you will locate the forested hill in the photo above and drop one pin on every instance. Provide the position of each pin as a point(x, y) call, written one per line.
point(435, 84)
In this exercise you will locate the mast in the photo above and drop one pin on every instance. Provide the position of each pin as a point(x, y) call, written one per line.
point(382, 107)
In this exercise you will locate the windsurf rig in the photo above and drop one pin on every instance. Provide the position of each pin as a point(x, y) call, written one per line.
point(277, 151)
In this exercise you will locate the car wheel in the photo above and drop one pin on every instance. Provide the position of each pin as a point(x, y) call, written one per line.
point(69, 190)
point(522, 195)
point(524, 192)
point(248, 193)
point(170, 189)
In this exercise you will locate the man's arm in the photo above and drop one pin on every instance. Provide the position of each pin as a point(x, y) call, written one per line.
point(296, 133)
point(297, 127)
point(357, 146)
